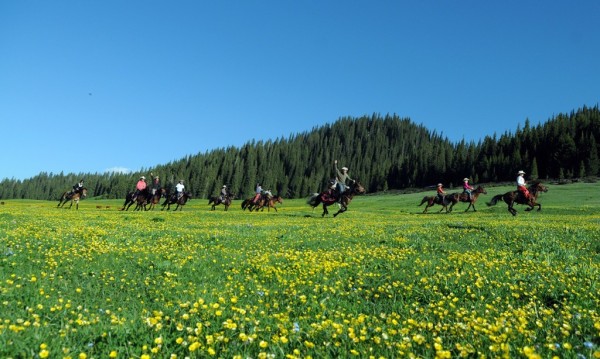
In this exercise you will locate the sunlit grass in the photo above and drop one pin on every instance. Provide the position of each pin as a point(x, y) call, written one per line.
point(381, 280)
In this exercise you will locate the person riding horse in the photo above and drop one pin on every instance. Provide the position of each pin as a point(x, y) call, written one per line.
point(521, 186)
point(155, 183)
point(224, 193)
point(441, 194)
point(139, 187)
point(467, 188)
point(341, 179)
point(77, 187)
point(179, 187)
point(257, 194)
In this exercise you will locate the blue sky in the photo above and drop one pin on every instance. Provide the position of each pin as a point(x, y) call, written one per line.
point(94, 86)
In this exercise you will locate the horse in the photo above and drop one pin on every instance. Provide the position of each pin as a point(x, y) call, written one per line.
point(517, 197)
point(248, 204)
point(73, 197)
point(327, 198)
point(180, 201)
point(431, 200)
point(454, 198)
point(155, 199)
point(268, 202)
point(216, 200)
point(140, 200)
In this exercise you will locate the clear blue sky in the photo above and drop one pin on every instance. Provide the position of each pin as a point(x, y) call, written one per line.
point(91, 86)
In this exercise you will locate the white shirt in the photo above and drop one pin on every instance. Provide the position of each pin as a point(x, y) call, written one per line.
point(520, 181)
point(179, 187)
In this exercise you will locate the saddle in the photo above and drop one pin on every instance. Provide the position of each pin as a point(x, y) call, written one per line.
point(329, 196)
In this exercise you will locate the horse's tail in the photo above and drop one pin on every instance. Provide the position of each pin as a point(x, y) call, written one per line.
point(314, 200)
point(494, 200)
point(211, 200)
point(425, 199)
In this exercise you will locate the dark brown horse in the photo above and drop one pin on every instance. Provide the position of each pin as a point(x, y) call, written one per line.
point(217, 200)
point(140, 200)
point(433, 200)
point(517, 197)
point(454, 198)
point(174, 200)
point(248, 204)
point(155, 199)
point(73, 197)
point(327, 198)
point(269, 202)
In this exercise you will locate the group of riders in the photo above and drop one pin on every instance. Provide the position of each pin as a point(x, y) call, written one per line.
point(142, 187)
point(336, 188)
point(522, 190)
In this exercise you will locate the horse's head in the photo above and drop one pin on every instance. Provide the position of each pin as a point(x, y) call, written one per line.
point(83, 192)
point(278, 199)
point(357, 188)
point(480, 189)
point(538, 187)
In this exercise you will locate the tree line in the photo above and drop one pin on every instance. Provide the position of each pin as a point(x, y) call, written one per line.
point(382, 152)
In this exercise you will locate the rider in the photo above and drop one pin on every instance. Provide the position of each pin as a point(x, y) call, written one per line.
point(179, 187)
point(440, 192)
point(467, 188)
point(139, 187)
point(341, 177)
point(155, 183)
point(521, 185)
point(77, 187)
point(258, 192)
point(224, 193)
point(268, 195)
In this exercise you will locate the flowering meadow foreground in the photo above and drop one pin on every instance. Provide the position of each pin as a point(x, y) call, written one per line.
point(381, 280)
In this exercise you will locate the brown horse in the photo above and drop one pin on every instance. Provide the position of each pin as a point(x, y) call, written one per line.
point(432, 200)
point(155, 199)
point(517, 197)
point(73, 197)
point(174, 200)
point(327, 199)
point(217, 200)
point(454, 198)
point(248, 204)
point(268, 202)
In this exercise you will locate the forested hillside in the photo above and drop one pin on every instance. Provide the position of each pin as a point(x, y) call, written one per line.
point(382, 152)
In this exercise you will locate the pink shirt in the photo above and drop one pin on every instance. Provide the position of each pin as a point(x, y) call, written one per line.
point(467, 186)
point(141, 185)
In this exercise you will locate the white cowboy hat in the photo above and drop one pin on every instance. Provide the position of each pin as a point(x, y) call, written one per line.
point(345, 168)
point(521, 173)
point(439, 185)
point(224, 185)
point(465, 179)
point(143, 177)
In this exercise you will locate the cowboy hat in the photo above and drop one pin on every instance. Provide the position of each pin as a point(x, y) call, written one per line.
point(224, 185)
point(143, 177)
point(465, 179)
point(345, 168)
point(521, 173)
point(439, 185)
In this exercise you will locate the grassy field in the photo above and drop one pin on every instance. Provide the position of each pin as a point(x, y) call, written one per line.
point(381, 280)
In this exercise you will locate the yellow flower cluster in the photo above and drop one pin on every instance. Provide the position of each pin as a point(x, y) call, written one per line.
point(375, 283)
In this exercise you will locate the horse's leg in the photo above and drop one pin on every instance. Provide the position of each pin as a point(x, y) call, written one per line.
point(511, 208)
point(342, 209)
point(325, 211)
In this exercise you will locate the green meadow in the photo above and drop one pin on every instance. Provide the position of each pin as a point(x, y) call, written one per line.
point(381, 280)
